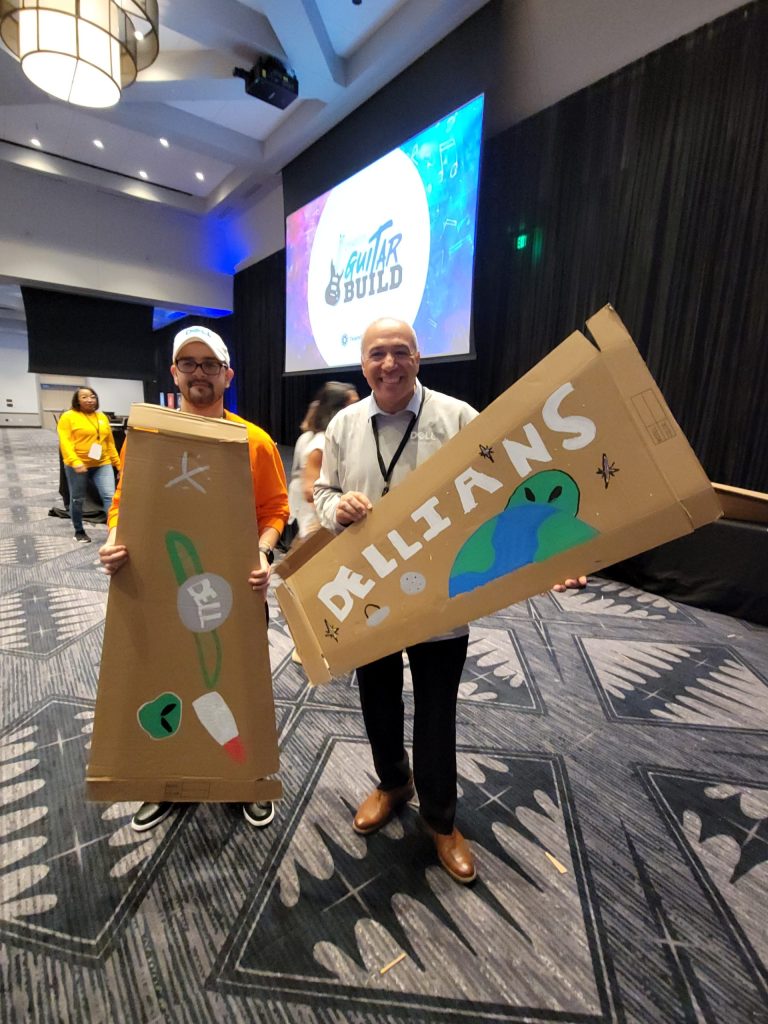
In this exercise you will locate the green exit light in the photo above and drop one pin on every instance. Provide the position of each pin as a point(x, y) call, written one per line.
point(522, 241)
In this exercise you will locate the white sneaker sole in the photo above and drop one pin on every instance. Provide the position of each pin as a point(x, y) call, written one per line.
point(261, 821)
point(146, 826)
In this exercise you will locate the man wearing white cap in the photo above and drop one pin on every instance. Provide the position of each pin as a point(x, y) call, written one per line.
point(202, 373)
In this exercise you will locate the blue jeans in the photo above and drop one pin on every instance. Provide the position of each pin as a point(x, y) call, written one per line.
point(104, 480)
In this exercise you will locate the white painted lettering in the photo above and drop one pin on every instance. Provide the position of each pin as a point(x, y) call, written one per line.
point(470, 479)
point(337, 595)
point(403, 549)
point(584, 429)
point(201, 591)
point(520, 454)
point(435, 522)
point(380, 565)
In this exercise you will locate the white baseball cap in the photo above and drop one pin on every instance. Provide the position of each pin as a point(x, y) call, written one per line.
point(209, 338)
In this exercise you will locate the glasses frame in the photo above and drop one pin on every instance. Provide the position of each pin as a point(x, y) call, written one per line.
point(208, 359)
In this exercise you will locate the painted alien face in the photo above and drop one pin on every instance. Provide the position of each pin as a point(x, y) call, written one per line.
point(550, 487)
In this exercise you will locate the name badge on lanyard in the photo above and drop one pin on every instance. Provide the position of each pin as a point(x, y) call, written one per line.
point(94, 452)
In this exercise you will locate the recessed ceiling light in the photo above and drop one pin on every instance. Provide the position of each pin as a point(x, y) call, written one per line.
point(98, 144)
point(164, 143)
point(199, 175)
point(35, 142)
point(143, 174)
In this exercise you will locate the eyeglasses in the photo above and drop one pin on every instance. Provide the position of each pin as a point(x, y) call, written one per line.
point(210, 367)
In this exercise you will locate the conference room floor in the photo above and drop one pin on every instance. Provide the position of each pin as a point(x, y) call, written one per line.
point(614, 784)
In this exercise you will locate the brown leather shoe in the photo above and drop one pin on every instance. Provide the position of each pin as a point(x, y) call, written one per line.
point(454, 854)
point(379, 806)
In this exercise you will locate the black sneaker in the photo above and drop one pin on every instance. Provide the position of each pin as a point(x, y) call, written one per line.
point(81, 535)
point(258, 814)
point(149, 815)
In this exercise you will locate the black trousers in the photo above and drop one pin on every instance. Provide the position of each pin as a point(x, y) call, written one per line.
point(436, 673)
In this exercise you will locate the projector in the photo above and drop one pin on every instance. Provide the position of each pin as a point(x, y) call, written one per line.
point(271, 81)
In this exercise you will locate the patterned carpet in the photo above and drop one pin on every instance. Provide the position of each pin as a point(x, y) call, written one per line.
point(614, 776)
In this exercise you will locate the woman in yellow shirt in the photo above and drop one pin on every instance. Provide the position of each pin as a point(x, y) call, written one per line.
point(88, 450)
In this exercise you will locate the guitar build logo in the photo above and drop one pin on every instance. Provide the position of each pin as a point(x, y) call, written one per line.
point(370, 254)
point(372, 271)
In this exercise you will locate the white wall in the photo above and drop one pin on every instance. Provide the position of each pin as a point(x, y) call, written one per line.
point(116, 395)
point(56, 233)
point(260, 230)
point(56, 397)
point(19, 405)
point(32, 406)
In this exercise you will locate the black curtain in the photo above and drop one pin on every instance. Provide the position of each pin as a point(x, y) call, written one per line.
point(258, 340)
point(645, 190)
point(80, 335)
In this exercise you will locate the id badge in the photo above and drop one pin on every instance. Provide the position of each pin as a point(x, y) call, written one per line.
point(94, 452)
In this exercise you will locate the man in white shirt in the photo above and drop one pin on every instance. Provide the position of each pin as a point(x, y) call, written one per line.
point(370, 447)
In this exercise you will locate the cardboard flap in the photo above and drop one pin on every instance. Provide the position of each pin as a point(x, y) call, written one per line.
point(303, 552)
point(310, 652)
point(156, 418)
point(653, 419)
point(608, 330)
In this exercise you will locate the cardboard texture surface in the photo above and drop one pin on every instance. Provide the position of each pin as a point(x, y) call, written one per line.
point(578, 465)
point(185, 709)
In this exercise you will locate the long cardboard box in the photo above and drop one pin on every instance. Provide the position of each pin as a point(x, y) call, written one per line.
point(578, 465)
point(185, 709)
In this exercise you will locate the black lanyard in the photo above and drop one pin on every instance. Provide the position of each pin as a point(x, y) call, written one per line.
point(98, 427)
point(387, 472)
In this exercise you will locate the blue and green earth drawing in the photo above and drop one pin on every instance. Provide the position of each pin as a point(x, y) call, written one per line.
point(540, 520)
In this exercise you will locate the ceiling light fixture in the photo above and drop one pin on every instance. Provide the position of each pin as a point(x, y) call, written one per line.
point(81, 51)
point(35, 142)
point(143, 174)
point(98, 144)
point(199, 175)
point(164, 143)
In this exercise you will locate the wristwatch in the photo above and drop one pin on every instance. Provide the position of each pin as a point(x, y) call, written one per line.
point(265, 550)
